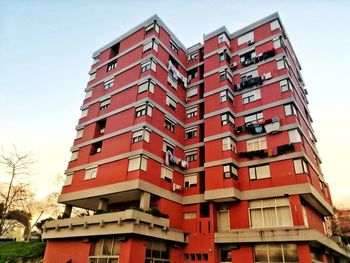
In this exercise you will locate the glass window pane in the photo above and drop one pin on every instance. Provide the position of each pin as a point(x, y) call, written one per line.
point(256, 218)
point(290, 252)
point(107, 247)
point(98, 247)
point(284, 217)
point(269, 217)
point(260, 253)
point(275, 253)
point(116, 247)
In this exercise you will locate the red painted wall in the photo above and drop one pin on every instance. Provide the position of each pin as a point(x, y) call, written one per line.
point(60, 251)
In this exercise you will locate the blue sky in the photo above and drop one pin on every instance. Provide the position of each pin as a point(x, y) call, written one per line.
point(46, 48)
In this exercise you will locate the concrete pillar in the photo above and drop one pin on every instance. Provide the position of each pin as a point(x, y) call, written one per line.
point(68, 210)
point(145, 200)
point(102, 204)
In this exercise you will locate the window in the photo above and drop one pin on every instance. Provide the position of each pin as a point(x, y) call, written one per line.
point(174, 46)
point(192, 57)
point(190, 215)
point(169, 124)
point(146, 85)
point(282, 253)
point(68, 180)
point(150, 45)
point(138, 162)
point(311, 136)
point(105, 250)
point(104, 104)
point(168, 146)
point(114, 50)
point(92, 76)
point(90, 173)
point(156, 251)
point(96, 148)
point(111, 65)
point(191, 112)
point(226, 96)
point(108, 84)
point(253, 118)
point(251, 96)
point(171, 81)
point(290, 110)
point(249, 74)
point(141, 135)
point(74, 155)
point(227, 118)
point(190, 180)
point(191, 133)
point(223, 220)
point(147, 65)
point(225, 75)
point(223, 55)
point(280, 63)
point(88, 94)
point(191, 156)
point(84, 113)
point(248, 57)
point(223, 38)
point(152, 27)
point(143, 110)
point(259, 172)
point(294, 136)
point(286, 85)
point(166, 174)
point(192, 92)
point(192, 74)
point(79, 133)
point(300, 166)
point(256, 144)
point(277, 43)
point(303, 209)
point(275, 25)
point(273, 212)
point(170, 102)
point(230, 171)
point(246, 38)
point(101, 126)
point(228, 144)
point(225, 255)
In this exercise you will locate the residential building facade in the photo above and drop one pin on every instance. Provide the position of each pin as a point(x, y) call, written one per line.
point(200, 154)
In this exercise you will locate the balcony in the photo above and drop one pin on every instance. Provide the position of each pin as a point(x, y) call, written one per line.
point(261, 126)
point(250, 60)
point(272, 152)
point(287, 234)
point(252, 82)
point(116, 223)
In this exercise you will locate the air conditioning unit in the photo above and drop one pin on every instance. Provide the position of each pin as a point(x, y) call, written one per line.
point(176, 187)
point(233, 65)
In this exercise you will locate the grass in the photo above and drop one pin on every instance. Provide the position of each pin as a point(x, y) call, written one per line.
point(11, 251)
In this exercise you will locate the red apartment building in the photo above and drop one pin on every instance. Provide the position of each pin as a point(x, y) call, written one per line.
point(200, 154)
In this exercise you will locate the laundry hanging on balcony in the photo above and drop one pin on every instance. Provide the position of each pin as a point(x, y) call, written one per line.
point(171, 159)
point(176, 74)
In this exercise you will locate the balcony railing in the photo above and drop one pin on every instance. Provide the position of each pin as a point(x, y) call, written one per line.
point(256, 59)
point(117, 223)
point(271, 152)
point(261, 126)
